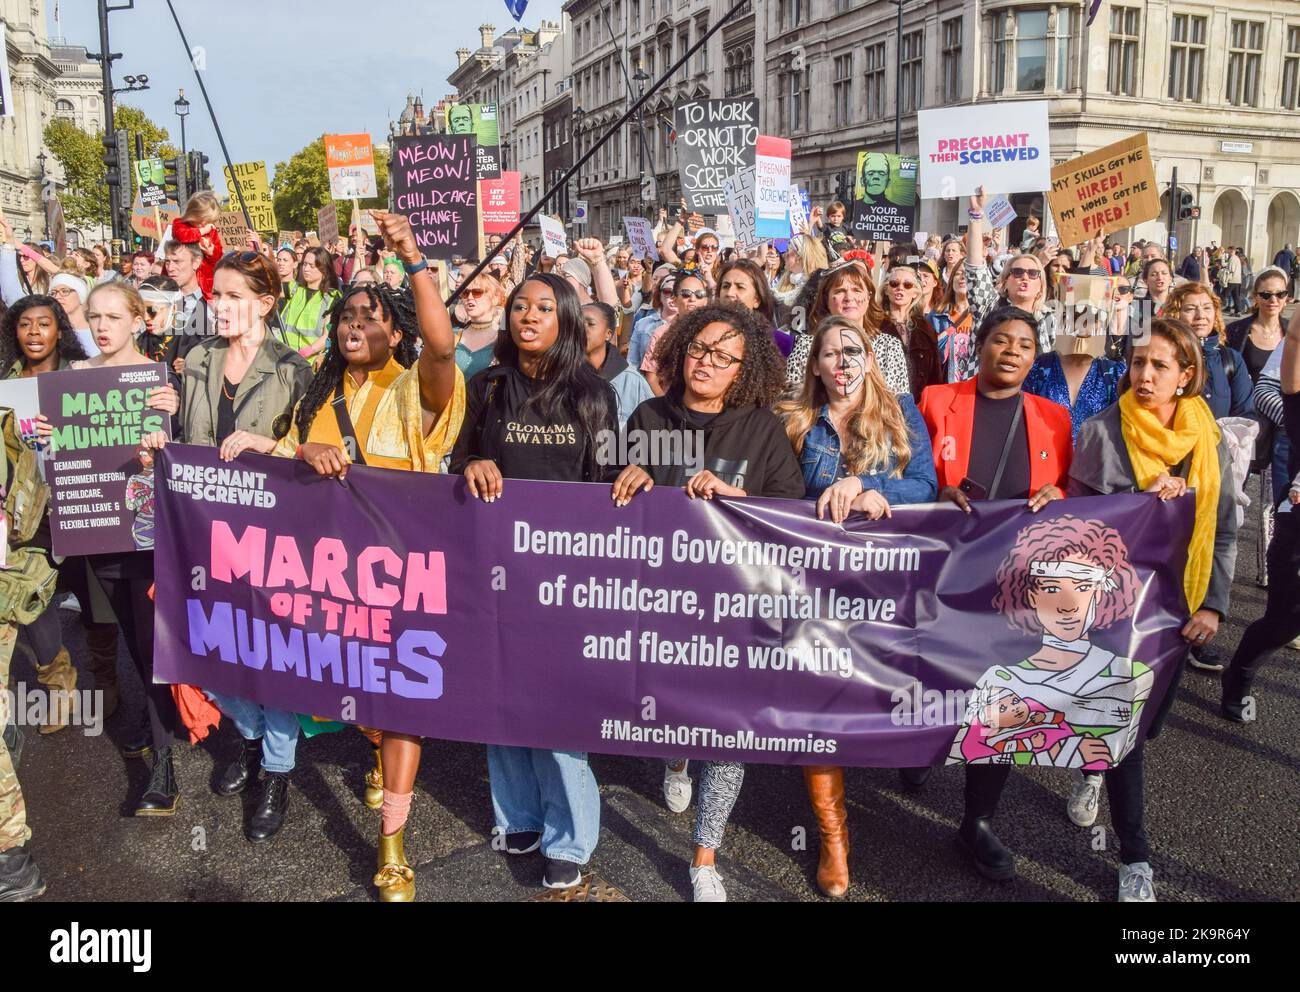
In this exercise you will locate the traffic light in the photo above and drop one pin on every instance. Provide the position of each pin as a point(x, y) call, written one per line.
point(842, 191)
point(1187, 209)
point(177, 182)
point(199, 178)
point(117, 164)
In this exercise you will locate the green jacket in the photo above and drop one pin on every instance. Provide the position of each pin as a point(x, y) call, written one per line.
point(264, 400)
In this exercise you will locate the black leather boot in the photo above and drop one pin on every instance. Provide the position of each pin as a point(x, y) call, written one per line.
point(20, 880)
point(914, 779)
point(13, 738)
point(140, 743)
point(1235, 691)
point(992, 859)
point(272, 806)
point(243, 770)
point(163, 795)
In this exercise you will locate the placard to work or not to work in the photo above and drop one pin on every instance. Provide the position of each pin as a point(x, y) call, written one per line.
point(435, 186)
point(715, 139)
point(101, 490)
point(1107, 190)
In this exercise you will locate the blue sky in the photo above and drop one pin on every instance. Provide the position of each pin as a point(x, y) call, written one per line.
point(282, 72)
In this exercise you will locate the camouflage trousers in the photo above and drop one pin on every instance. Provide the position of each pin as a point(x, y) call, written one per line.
point(13, 813)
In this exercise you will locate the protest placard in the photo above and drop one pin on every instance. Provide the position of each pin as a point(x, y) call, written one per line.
point(350, 159)
point(1001, 146)
point(101, 487)
point(772, 187)
point(554, 240)
point(884, 196)
point(145, 220)
point(480, 120)
point(715, 139)
point(233, 230)
point(738, 194)
point(641, 237)
point(327, 223)
point(999, 213)
point(499, 200)
point(1103, 191)
point(253, 183)
point(434, 186)
point(151, 181)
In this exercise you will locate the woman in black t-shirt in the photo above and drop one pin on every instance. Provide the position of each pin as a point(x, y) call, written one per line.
point(537, 414)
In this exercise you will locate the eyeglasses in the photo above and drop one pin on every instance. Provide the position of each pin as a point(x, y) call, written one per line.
point(63, 291)
point(1124, 290)
point(474, 292)
point(893, 284)
point(1019, 273)
point(155, 311)
point(707, 247)
point(717, 358)
point(1280, 295)
point(693, 294)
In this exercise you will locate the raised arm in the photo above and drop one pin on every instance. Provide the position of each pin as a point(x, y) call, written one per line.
point(602, 280)
point(438, 357)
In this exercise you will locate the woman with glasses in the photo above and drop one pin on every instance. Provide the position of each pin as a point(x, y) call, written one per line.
point(315, 293)
point(1257, 336)
point(722, 372)
point(690, 293)
point(483, 304)
point(542, 385)
point(861, 449)
point(239, 390)
point(902, 299)
point(162, 298)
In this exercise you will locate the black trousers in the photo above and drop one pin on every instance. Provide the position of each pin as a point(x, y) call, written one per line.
point(1280, 623)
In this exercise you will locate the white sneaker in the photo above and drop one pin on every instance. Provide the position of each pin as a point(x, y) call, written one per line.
point(1136, 883)
point(70, 603)
point(677, 788)
point(707, 884)
point(1081, 807)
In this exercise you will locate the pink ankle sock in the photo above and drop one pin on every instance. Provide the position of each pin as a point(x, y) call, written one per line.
point(397, 807)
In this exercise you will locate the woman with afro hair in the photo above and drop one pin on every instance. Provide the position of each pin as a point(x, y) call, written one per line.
point(36, 336)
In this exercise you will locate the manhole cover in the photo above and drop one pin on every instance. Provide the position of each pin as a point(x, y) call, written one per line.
point(592, 888)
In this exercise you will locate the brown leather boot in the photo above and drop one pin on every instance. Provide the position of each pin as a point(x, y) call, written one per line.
point(101, 644)
point(60, 678)
point(826, 792)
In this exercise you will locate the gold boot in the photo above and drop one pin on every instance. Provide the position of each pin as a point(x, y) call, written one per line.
point(395, 879)
point(60, 678)
point(374, 794)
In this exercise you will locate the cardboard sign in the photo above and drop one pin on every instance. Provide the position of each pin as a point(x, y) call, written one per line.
point(434, 186)
point(1000, 213)
point(327, 223)
point(553, 238)
point(1106, 190)
point(641, 236)
point(499, 201)
point(151, 180)
point(772, 187)
point(289, 238)
point(144, 220)
point(101, 492)
point(738, 193)
point(884, 197)
point(798, 215)
point(233, 230)
point(350, 159)
point(580, 212)
point(715, 139)
point(480, 120)
point(1001, 146)
point(253, 183)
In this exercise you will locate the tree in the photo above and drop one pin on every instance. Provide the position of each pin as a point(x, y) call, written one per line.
point(85, 196)
point(302, 187)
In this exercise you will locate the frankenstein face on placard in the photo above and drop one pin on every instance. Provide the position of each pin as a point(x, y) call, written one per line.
point(460, 119)
point(875, 176)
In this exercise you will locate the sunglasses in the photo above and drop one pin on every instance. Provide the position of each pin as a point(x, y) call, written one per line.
point(474, 292)
point(693, 294)
point(1124, 290)
point(155, 311)
point(717, 358)
point(1019, 273)
point(1271, 295)
point(708, 247)
point(894, 284)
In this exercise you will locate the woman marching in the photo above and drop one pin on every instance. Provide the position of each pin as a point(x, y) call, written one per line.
point(903, 298)
point(863, 449)
point(543, 379)
point(239, 390)
point(403, 412)
point(309, 305)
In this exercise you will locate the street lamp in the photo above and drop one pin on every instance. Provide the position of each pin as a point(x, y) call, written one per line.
point(898, 83)
point(182, 111)
point(134, 84)
point(641, 78)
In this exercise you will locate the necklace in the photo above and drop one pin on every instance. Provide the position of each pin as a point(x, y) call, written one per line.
point(231, 395)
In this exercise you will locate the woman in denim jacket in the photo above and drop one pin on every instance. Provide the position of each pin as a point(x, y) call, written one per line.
point(863, 448)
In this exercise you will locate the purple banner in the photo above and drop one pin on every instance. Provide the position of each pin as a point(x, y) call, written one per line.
point(733, 629)
point(101, 490)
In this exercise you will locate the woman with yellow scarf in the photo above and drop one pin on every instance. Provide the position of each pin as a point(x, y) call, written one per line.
point(1159, 438)
point(376, 402)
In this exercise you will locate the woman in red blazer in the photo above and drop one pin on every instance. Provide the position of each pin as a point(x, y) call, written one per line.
point(992, 440)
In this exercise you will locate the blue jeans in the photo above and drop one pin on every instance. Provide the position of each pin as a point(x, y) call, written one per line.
point(552, 793)
point(277, 728)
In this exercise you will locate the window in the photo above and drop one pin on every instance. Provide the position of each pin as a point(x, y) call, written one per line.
point(1031, 51)
point(1065, 24)
point(843, 89)
point(739, 74)
point(1245, 51)
point(636, 15)
point(911, 81)
point(701, 29)
point(790, 13)
point(63, 108)
point(683, 46)
point(1186, 58)
point(792, 102)
point(1031, 47)
point(1291, 70)
point(952, 60)
point(875, 79)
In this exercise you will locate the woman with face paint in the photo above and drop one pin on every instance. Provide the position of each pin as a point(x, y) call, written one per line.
point(903, 301)
point(1160, 438)
point(403, 411)
point(542, 385)
point(722, 372)
point(861, 448)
